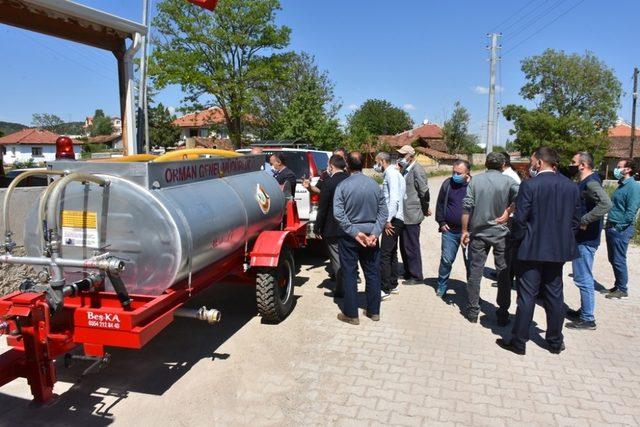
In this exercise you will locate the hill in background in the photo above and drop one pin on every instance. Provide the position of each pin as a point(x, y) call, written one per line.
point(71, 128)
point(8, 127)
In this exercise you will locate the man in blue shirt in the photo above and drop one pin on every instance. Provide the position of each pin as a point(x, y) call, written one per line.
point(620, 226)
point(361, 212)
point(595, 203)
point(449, 219)
point(393, 189)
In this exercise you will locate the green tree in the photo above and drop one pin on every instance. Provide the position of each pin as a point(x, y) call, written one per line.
point(373, 118)
point(162, 131)
point(220, 58)
point(577, 97)
point(46, 121)
point(455, 131)
point(101, 125)
point(302, 106)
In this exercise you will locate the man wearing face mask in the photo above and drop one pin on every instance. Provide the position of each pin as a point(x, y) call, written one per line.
point(546, 222)
point(595, 203)
point(393, 189)
point(416, 207)
point(448, 217)
point(620, 226)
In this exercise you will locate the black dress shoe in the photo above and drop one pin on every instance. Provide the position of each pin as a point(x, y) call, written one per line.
point(616, 294)
point(587, 325)
point(412, 281)
point(557, 350)
point(573, 315)
point(510, 347)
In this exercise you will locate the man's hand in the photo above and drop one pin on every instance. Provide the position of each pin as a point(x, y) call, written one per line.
point(306, 183)
point(504, 218)
point(372, 241)
point(464, 239)
point(363, 239)
point(389, 229)
point(444, 228)
point(583, 226)
point(428, 212)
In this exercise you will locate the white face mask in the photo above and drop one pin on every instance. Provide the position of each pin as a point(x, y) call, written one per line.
point(403, 162)
point(378, 168)
point(533, 172)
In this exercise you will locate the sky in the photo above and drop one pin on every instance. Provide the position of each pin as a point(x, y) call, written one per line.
point(421, 55)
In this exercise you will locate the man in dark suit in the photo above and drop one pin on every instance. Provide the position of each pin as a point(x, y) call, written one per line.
point(326, 225)
point(546, 223)
point(282, 173)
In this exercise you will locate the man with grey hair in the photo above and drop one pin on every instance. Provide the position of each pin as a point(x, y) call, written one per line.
point(490, 196)
point(393, 189)
point(595, 203)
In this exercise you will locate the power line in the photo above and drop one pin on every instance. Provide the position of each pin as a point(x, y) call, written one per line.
point(511, 16)
point(525, 16)
point(535, 20)
point(544, 26)
point(92, 70)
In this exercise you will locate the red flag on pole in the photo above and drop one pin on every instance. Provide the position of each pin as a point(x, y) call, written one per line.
point(207, 4)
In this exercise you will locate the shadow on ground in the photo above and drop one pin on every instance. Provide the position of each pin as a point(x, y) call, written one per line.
point(150, 370)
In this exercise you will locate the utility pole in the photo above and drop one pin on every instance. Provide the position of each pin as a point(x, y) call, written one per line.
point(142, 90)
point(492, 91)
point(633, 110)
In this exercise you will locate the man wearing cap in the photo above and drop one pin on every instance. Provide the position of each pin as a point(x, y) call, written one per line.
point(416, 207)
point(489, 196)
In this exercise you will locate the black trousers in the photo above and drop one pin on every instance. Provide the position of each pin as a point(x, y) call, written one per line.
point(334, 259)
point(389, 256)
point(534, 279)
point(410, 251)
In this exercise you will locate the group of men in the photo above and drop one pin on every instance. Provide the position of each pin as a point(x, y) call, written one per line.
point(362, 222)
point(533, 226)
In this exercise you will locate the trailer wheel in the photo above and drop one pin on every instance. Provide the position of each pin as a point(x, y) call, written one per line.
point(274, 289)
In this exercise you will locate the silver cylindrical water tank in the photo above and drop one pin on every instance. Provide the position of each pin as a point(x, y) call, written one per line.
point(162, 234)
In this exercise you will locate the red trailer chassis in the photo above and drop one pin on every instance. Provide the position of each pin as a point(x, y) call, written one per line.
point(97, 319)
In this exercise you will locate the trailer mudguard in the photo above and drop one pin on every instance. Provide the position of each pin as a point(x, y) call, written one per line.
point(266, 250)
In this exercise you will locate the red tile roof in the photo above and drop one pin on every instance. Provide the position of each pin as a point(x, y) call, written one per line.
point(620, 145)
point(428, 132)
point(622, 129)
point(438, 155)
point(221, 144)
point(213, 115)
point(32, 136)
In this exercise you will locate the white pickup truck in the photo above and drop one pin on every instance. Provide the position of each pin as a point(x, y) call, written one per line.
point(305, 163)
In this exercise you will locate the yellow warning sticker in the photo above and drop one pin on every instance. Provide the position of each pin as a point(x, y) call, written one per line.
point(79, 219)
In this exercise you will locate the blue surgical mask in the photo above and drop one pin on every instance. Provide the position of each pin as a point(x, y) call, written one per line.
point(617, 172)
point(533, 172)
point(457, 178)
point(403, 162)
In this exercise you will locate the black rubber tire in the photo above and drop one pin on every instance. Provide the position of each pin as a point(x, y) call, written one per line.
point(274, 289)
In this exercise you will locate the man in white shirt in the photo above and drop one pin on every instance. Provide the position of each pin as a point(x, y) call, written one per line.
point(508, 170)
point(393, 189)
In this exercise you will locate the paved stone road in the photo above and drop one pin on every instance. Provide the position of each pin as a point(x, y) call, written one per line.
point(423, 364)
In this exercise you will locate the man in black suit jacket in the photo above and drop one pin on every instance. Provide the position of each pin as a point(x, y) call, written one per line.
point(326, 224)
point(546, 223)
point(282, 173)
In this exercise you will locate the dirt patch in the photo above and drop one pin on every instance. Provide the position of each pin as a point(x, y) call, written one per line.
point(11, 275)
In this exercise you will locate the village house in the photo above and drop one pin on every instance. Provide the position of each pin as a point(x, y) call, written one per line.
point(620, 146)
point(116, 122)
point(32, 144)
point(209, 123)
point(428, 142)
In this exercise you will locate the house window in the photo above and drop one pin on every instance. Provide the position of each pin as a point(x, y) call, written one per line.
point(4, 150)
point(13, 151)
point(193, 132)
point(36, 151)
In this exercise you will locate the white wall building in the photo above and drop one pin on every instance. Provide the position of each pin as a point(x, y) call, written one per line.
point(36, 144)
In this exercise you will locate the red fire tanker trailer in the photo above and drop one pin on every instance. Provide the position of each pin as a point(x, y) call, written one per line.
point(119, 247)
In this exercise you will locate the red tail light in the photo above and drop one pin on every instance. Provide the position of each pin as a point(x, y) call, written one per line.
point(313, 168)
point(207, 4)
point(64, 148)
point(315, 199)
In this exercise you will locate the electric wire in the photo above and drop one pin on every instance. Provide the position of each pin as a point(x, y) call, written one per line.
point(535, 20)
point(543, 27)
point(493, 30)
